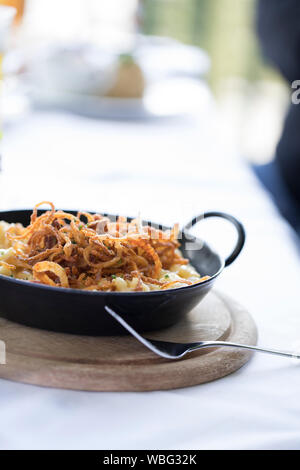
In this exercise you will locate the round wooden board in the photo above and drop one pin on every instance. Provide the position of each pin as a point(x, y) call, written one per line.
point(121, 363)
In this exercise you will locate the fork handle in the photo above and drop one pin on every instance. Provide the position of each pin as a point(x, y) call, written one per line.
point(213, 344)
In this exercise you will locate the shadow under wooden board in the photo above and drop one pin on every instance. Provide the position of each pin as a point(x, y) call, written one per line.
point(121, 363)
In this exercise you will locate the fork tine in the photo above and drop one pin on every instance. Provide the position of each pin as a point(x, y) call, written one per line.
point(175, 350)
point(154, 346)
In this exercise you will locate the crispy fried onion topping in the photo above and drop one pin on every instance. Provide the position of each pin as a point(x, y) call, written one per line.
point(88, 251)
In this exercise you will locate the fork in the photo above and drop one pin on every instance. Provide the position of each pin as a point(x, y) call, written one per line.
point(171, 350)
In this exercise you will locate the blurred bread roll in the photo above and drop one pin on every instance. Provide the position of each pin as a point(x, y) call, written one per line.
point(129, 80)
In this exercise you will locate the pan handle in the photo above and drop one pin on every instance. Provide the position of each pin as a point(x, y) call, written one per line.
point(239, 228)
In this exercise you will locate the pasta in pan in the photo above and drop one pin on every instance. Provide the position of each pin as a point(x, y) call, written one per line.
point(92, 252)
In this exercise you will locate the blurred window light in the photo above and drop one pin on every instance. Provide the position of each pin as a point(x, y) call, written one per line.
point(251, 95)
point(77, 19)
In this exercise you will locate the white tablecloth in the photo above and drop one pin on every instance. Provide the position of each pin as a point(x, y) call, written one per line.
point(169, 170)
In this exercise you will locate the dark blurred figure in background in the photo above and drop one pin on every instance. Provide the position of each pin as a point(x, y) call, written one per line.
point(278, 27)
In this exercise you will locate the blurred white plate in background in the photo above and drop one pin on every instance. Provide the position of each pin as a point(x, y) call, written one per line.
point(168, 98)
point(77, 76)
point(163, 57)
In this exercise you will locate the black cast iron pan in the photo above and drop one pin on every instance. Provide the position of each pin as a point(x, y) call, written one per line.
point(82, 312)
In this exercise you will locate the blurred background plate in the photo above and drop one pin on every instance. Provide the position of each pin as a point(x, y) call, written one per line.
point(155, 77)
point(167, 98)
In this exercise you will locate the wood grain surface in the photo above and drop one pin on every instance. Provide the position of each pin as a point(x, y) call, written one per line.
point(123, 364)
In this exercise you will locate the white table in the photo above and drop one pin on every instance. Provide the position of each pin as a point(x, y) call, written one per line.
point(126, 167)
